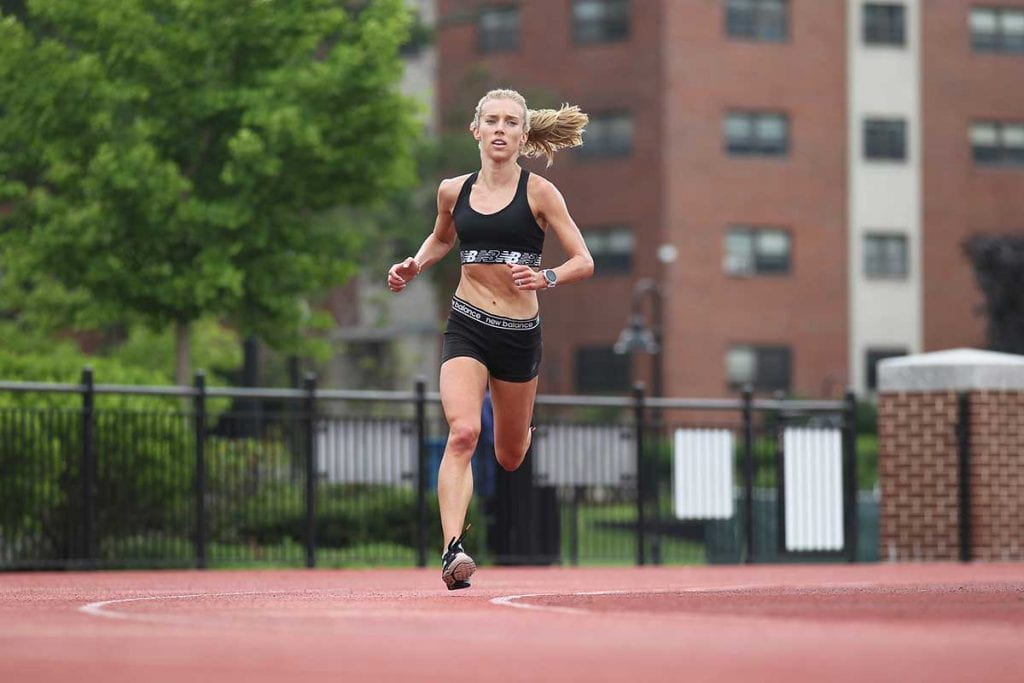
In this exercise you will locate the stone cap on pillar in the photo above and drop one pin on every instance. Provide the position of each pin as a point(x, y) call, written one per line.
point(952, 370)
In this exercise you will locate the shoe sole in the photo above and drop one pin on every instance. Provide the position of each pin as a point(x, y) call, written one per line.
point(458, 573)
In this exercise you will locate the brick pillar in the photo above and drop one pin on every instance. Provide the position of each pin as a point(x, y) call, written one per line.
point(997, 455)
point(918, 465)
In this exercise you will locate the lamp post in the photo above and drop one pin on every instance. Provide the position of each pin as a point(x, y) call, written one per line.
point(638, 337)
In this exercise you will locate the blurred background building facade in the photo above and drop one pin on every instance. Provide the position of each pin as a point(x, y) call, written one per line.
point(380, 340)
point(795, 176)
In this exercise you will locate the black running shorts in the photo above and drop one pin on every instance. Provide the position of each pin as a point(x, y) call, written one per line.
point(510, 348)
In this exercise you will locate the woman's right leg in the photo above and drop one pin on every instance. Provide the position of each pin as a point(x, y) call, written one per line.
point(463, 384)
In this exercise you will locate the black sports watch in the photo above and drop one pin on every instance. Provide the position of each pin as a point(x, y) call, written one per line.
point(550, 276)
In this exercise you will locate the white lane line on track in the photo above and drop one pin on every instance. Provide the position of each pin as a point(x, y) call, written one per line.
point(98, 609)
point(508, 601)
point(512, 600)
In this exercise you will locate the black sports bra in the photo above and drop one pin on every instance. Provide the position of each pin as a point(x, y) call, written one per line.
point(510, 235)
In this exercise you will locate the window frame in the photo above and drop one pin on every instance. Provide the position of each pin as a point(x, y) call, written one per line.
point(579, 36)
point(754, 147)
point(883, 33)
point(997, 41)
point(757, 268)
point(885, 236)
point(601, 151)
point(610, 263)
point(755, 27)
point(759, 382)
point(886, 152)
point(1002, 155)
point(483, 45)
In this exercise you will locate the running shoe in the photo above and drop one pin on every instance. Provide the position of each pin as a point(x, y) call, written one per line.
point(456, 565)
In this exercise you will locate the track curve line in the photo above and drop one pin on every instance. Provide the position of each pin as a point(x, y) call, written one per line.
point(98, 608)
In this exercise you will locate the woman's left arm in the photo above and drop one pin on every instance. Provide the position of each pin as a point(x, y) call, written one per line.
point(552, 210)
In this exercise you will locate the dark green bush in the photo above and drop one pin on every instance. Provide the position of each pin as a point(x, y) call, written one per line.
point(346, 515)
point(142, 447)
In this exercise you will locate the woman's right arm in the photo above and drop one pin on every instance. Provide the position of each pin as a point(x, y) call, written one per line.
point(438, 243)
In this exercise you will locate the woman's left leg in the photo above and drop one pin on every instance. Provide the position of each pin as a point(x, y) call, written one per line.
point(513, 411)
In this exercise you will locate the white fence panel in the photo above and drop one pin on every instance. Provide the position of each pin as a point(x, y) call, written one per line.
point(813, 488)
point(366, 452)
point(584, 455)
point(702, 477)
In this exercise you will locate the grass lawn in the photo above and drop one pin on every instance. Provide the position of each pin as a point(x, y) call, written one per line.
point(603, 542)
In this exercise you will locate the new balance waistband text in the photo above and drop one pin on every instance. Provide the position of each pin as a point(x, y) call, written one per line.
point(493, 321)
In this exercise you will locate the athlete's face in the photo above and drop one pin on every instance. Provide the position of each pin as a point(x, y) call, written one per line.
point(500, 131)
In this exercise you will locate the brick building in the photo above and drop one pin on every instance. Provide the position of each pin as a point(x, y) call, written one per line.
point(807, 170)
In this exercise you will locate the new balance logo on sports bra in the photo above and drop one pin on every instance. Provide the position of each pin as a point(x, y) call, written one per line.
point(510, 235)
point(500, 256)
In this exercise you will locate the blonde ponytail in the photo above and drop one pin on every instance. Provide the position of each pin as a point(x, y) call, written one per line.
point(552, 130)
point(548, 130)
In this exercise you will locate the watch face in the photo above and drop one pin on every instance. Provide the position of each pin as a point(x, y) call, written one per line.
point(550, 276)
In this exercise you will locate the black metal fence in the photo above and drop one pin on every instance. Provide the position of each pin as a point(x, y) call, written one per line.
point(96, 475)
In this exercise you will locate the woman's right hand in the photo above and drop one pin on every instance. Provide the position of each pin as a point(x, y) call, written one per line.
point(402, 273)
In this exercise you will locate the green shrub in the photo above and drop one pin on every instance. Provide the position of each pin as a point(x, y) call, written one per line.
point(142, 447)
point(346, 515)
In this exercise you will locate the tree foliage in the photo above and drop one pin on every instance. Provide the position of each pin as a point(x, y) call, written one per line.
point(166, 160)
point(999, 268)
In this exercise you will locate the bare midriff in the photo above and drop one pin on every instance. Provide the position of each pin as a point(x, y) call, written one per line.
point(489, 286)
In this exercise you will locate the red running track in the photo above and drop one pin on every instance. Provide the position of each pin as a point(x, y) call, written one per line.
point(909, 622)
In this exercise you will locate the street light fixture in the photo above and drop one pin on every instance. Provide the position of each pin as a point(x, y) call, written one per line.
point(637, 336)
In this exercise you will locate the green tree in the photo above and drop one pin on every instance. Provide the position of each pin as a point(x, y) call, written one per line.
point(166, 160)
point(998, 262)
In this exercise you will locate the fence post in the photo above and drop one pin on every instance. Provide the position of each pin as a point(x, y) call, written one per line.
point(748, 472)
point(641, 480)
point(421, 472)
point(88, 473)
point(850, 504)
point(654, 486)
point(309, 384)
point(574, 530)
point(200, 478)
point(964, 465)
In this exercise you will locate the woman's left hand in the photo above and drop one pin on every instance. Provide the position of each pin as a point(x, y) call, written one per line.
point(526, 278)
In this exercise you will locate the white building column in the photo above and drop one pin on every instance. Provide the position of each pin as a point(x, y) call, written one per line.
point(884, 196)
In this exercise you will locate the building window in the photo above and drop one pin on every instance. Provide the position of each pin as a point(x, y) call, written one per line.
point(885, 139)
point(612, 249)
point(884, 24)
point(607, 135)
point(871, 364)
point(600, 21)
point(756, 133)
point(885, 255)
point(599, 370)
point(756, 251)
point(997, 29)
point(764, 368)
point(994, 142)
point(498, 29)
point(765, 20)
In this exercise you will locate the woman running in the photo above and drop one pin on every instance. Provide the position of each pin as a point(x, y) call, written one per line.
point(500, 215)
